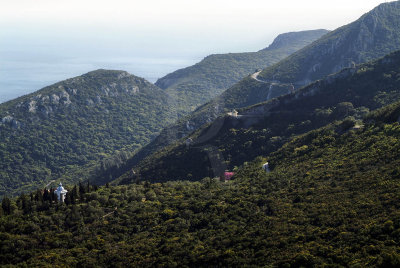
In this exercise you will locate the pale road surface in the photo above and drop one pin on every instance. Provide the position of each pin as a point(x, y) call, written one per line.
point(271, 82)
point(49, 183)
point(255, 75)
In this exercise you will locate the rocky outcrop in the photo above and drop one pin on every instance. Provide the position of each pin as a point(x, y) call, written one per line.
point(48, 103)
point(11, 121)
point(65, 94)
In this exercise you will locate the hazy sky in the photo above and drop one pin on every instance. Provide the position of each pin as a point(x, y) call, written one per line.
point(169, 26)
point(45, 41)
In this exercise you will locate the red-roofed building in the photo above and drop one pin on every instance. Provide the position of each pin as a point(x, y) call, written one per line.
point(227, 176)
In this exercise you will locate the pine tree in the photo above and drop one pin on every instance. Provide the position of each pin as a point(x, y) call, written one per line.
point(46, 196)
point(82, 191)
point(6, 205)
point(74, 195)
point(39, 196)
point(68, 199)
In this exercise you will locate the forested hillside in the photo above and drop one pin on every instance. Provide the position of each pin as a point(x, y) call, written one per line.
point(331, 199)
point(372, 36)
point(197, 84)
point(263, 128)
point(296, 165)
point(77, 128)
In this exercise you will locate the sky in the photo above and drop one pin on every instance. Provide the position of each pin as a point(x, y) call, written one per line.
point(42, 41)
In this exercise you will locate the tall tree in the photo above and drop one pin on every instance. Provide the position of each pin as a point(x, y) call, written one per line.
point(6, 205)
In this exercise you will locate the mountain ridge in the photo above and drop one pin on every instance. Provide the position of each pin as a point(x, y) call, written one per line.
point(194, 85)
point(373, 35)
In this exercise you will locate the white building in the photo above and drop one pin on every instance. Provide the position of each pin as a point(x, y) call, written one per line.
point(234, 113)
point(60, 192)
point(266, 167)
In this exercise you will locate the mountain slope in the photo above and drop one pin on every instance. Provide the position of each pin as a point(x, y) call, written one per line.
point(260, 129)
point(78, 122)
point(326, 51)
point(197, 84)
point(374, 35)
point(331, 200)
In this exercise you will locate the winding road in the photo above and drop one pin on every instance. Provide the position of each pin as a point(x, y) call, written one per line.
point(271, 82)
point(255, 77)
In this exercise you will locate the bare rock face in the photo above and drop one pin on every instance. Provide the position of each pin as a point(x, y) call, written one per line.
point(32, 106)
point(48, 103)
point(9, 120)
point(54, 99)
point(64, 98)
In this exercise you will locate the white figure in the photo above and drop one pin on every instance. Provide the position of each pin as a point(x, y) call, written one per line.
point(60, 192)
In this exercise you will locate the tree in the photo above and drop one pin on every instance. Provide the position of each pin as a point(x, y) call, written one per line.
point(344, 109)
point(74, 195)
point(6, 205)
point(82, 189)
point(68, 199)
point(46, 196)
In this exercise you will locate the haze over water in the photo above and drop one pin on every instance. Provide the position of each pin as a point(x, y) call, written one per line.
point(20, 77)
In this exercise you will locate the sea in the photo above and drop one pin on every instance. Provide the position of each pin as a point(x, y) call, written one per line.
point(19, 76)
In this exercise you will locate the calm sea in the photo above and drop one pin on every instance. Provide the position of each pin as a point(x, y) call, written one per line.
point(19, 77)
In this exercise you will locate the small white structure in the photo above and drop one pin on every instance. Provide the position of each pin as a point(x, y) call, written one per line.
point(188, 142)
point(60, 192)
point(266, 167)
point(234, 113)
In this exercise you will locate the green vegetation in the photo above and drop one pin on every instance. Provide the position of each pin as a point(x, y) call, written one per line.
point(374, 35)
point(332, 200)
point(265, 127)
point(329, 199)
point(78, 128)
point(89, 126)
point(197, 84)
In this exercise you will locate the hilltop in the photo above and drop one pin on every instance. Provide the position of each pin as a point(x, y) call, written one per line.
point(78, 127)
